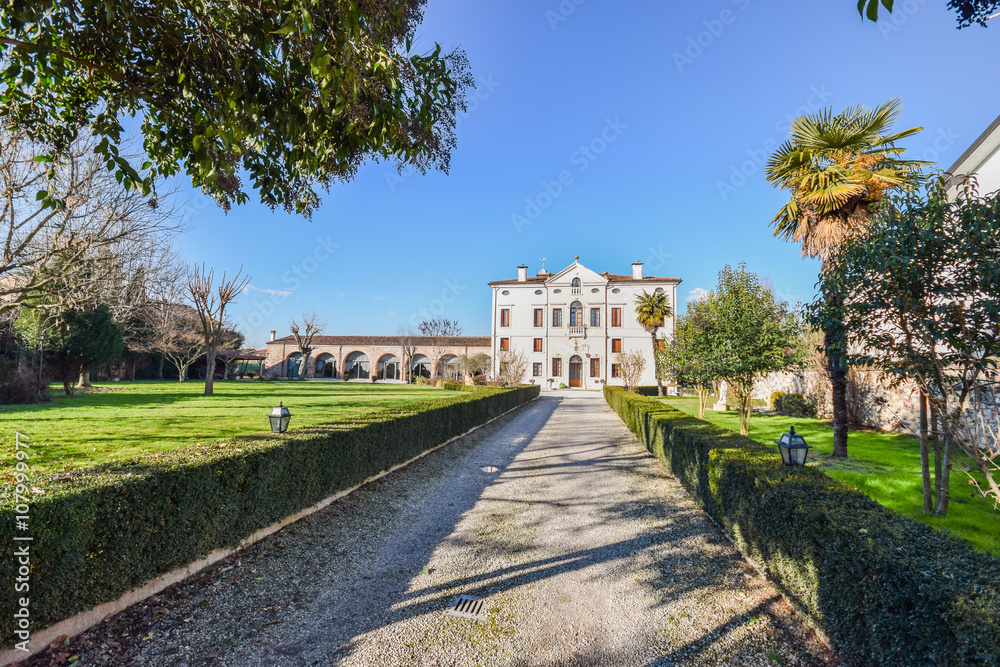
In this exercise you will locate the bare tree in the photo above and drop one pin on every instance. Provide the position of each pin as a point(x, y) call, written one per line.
point(211, 302)
point(303, 334)
point(513, 366)
point(57, 244)
point(409, 348)
point(631, 365)
point(439, 326)
point(475, 364)
point(178, 337)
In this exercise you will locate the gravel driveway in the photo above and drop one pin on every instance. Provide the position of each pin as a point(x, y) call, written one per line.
point(584, 551)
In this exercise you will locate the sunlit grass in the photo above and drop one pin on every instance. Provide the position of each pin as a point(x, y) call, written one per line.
point(884, 466)
point(123, 419)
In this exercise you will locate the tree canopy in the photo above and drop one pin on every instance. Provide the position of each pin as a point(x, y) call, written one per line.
point(967, 11)
point(291, 93)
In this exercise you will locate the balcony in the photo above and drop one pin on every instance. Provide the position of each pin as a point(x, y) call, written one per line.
point(577, 332)
point(576, 290)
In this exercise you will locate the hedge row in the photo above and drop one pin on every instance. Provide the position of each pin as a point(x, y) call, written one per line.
point(103, 531)
point(885, 589)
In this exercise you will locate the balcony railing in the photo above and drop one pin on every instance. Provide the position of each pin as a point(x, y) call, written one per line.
point(576, 290)
point(577, 332)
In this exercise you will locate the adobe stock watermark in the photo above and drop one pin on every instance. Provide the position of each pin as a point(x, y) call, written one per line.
point(452, 290)
point(714, 27)
point(581, 159)
point(21, 546)
point(291, 280)
point(944, 140)
point(657, 258)
point(757, 157)
point(485, 87)
point(562, 12)
point(890, 22)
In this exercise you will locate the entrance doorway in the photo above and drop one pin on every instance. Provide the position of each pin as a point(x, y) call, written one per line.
point(575, 371)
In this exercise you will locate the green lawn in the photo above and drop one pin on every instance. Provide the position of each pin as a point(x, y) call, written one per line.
point(122, 419)
point(884, 466)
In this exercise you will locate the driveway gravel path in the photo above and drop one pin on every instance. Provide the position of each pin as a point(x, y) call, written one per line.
point(583, 549)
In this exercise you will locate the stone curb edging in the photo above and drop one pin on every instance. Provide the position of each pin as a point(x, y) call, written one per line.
point(85, 620)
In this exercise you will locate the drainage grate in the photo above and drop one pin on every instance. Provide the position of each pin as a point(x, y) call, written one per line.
point(490, 469)
point(467, 606)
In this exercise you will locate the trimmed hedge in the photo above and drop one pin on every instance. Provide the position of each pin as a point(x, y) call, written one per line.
point(887, 590)
point(101, 532)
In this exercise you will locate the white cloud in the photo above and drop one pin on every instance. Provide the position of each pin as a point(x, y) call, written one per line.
point(273, 292)
point(697, 294)
point(380, 298)
point(391, 312)
point(337, 293)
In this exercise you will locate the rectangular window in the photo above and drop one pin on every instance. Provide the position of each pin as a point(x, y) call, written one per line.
point(616, 344)
point(536, 369)
point(616, 317)
point(595, 367)
point(539, 317)
point(557, 368)
point(538, 345)
point(505, 317)
point(616, 371)
point(595, 317)
point(504, 344)
point(557, 317)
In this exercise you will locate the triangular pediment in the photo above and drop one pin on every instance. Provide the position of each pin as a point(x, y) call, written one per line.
point(576, 270)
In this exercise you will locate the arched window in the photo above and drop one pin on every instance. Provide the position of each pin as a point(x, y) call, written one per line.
point(449, 367)
point(326, 366)
point(421, 365)
point(388, 367)
point(292, 365)
point(576, 314)
point(356, 366)
point(576, 282)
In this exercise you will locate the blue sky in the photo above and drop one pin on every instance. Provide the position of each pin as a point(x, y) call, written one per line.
point(615, 131)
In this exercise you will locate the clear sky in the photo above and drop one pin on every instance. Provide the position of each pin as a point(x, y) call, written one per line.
point(657, 118)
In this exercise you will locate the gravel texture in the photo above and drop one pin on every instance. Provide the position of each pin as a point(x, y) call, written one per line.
point(585, 551)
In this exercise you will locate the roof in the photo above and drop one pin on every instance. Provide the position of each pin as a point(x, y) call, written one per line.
point(980, 149)
point(388, 341)
point(612, 277)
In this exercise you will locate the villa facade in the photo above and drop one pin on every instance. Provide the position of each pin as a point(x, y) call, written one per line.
point(982, 159)
point(359, 357)
point(573, 324)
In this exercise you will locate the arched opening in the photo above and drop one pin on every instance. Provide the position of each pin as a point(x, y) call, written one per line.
point(576, 282)
point(388, 367)
point(575, 371)
point(356, 366)
point(326, 366)
point(449, 368)
point(576, 314)
point(292, 365)
point(420, 365)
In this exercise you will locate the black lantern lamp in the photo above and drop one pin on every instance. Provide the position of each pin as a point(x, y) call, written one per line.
point(793, 448)
point(279, 418)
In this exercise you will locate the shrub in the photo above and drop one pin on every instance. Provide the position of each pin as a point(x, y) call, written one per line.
point(886, 589)
point(796, 405)
point(103, 531)
point(20, 387)
point(774, 400)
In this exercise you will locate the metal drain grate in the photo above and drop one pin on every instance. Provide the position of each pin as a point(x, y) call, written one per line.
point(467, 606)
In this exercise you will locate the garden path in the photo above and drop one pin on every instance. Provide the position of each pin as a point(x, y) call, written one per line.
point(583, 549)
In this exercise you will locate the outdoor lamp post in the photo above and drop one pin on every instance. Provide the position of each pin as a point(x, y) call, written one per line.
point(279, 418)
point(793, 448)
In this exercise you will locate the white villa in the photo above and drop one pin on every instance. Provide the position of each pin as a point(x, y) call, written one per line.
point(572, 324)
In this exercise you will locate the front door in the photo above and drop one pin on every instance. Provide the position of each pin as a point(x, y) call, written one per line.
point(576, 374)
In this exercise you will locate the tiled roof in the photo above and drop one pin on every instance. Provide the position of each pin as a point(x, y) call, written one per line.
point(612, 277)
point(515, 281)
point(394, 341)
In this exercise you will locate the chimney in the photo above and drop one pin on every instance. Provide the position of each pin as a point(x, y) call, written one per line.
point(273, 332)
point(522, 274)
point(636, 270)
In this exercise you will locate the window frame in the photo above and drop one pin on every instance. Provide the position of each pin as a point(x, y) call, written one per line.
point(595, 367)
point(537, 344)
point(616, 345)
point(505, 318)
point(557, 315)
point(539, 317)
point(557, 367)
point(595, 317)
point(616, 371)
point(505, 344)
point(616, 316)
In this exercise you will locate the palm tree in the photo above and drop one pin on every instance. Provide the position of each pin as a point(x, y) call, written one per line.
point(650, 311)
point(839, 170)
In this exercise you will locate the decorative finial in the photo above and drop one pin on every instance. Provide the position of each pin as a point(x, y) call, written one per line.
point(577, 258)
point(543, 260)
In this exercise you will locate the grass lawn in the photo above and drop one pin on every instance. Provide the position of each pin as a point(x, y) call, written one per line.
point(122, 419)
point(884, 466)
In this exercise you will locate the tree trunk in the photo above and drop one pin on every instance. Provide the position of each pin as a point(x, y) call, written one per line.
point(162, 359)
point(944, 490)
point(838, 381)
point(656, 366)
point(304, 372)
point(210, 371)
point(68, 387)
point(703, 394)
point(925, 468)
point(84, 380)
